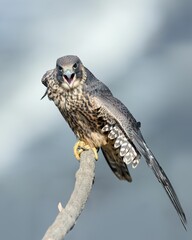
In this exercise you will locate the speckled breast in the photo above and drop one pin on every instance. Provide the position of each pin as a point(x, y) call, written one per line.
point(83, 118)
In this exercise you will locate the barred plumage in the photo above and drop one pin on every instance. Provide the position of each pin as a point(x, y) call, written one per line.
point(101, 121)
point(127, 150)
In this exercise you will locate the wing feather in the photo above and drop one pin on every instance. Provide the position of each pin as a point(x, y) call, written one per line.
point(120, 114)
point(115, 162)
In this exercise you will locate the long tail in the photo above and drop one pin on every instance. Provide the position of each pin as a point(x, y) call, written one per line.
point(139, 141)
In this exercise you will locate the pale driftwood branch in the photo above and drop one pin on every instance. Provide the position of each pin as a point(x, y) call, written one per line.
point(67, 216)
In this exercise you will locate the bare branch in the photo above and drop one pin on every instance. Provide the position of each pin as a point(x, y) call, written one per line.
point(67, 216)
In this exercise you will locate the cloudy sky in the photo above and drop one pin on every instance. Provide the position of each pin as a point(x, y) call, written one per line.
point(143, 51)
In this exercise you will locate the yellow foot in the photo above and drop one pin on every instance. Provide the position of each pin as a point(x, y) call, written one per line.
point(80, 146)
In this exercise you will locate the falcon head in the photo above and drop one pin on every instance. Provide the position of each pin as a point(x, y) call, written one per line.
point(70, 71)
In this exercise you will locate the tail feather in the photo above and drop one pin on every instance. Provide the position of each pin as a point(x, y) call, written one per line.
point(160, 174)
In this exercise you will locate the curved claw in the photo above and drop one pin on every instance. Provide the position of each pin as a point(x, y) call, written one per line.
point(80, 146)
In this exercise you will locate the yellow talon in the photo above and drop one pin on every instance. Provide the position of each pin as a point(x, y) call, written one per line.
point(80, 146)
point(77, 150)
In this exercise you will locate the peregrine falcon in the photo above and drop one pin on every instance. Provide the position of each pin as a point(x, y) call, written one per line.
point(99, 120)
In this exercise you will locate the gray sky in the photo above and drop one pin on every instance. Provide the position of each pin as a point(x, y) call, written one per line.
point(143, 51)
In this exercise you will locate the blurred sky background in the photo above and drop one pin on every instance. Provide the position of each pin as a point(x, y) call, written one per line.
point(143, 51)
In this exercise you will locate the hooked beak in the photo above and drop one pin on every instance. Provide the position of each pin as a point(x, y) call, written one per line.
point(69, 75)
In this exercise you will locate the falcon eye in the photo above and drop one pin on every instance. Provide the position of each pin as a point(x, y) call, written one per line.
point(59, 68)
point(75, 66)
